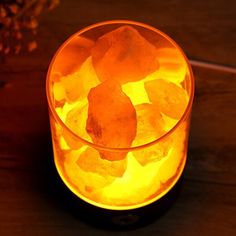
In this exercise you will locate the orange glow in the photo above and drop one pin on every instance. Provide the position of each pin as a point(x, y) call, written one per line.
point(120, 114)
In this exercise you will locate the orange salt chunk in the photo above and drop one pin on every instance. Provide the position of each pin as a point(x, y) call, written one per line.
point(124, 55)
point(150, 124)
point(76, 122)
point(55, 76)
point(170, 98)
point(91, 161)
point(58, 91)
point(111, 119)
point(173, 164)
point(172, 65)
point(76, 86)
point(153, 153)
point(71, 85)
point(86, 182)
point(71, 57)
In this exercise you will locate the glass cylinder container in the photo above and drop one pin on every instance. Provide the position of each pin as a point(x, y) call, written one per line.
point(120, 95)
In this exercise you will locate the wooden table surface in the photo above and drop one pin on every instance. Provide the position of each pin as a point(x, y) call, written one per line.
point(206, 205)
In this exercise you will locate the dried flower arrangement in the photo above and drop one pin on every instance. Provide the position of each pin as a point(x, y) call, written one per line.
point(19, 22)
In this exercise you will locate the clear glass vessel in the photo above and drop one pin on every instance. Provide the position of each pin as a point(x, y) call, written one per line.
point(120, 95)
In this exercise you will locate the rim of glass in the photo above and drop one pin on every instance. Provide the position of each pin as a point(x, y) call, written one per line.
point(129, 22)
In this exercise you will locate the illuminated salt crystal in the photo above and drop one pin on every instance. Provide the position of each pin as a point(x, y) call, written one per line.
point(172, 65)
point(170, 98)
point(154, 153)
point(136, 92)
point(175, 160)
point(76, 121)
point(169, 122)
point(124, 55)
point(150, 124)
point(58, 91)
point(150, 127)
point(137, 184)
point(71, 57)
point(86, 182)
point(111, 119)
point(91, 161)
point(76, 86)
point(169, 166)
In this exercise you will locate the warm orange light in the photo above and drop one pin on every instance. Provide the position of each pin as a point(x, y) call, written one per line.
point(120, 95)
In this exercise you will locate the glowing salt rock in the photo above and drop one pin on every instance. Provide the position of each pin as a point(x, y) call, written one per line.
point(171, 165)
point(86, 182)
point(91, 161)
point(71, 57)
point(77, 85)
point(150, 124)
point(154, 153)
point(55, 76)
point(124, 55)
point(136, 92)
point(137, 184)
point(172, 65)
point(170, 98)
point(76, 122)
point(64, 144)
point(111, 119)
point(59, 91)
point(169, 122)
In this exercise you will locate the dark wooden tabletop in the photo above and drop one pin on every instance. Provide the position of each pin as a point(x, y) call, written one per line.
point(206, 205)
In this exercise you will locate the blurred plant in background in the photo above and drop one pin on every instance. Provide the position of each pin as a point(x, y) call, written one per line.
point(19, 22)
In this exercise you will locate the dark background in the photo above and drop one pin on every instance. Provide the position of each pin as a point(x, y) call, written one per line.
point(30, 202)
